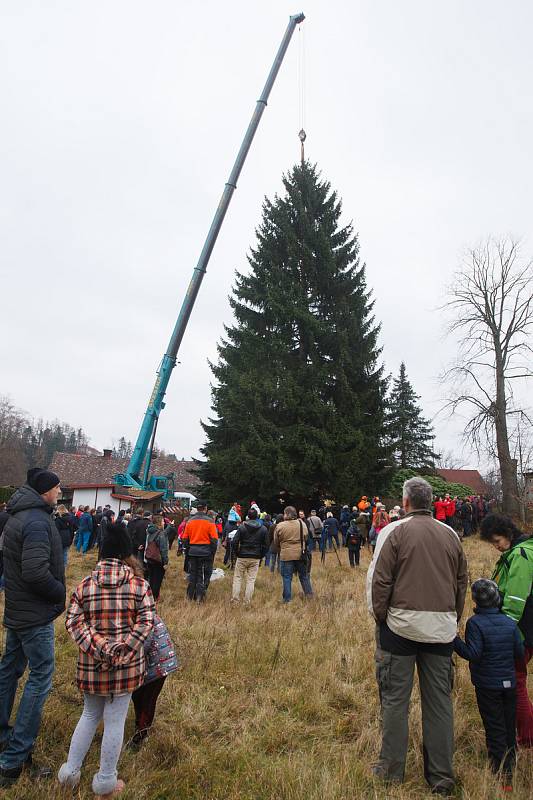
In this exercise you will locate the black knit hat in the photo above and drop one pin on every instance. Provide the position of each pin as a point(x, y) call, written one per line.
point(117, 543)
point(486, 594)
point(41, 480)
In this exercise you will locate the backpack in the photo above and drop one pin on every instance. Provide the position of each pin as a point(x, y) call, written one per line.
point(152, 553)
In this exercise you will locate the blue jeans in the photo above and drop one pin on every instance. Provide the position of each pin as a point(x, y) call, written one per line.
point(83, 541)
point(270, 560)
point(33, 647)
point(288, 569)
point(65, 556)
point(329, 538)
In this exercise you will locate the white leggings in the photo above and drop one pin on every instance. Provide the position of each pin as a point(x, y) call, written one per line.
point(113, 710)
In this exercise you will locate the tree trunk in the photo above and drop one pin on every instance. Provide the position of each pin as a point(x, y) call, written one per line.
point(507, 463)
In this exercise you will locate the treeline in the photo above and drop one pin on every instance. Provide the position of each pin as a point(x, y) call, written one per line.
point(26, 442)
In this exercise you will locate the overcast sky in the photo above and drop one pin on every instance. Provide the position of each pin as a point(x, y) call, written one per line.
point(120, 123)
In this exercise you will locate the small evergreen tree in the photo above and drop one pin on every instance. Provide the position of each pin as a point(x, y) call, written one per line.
point(407, 432)
point(123, 449)
point(299, 400)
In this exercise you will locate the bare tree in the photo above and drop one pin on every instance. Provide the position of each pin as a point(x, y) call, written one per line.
point(523, 452)
point(449, 460)
point(492, 303)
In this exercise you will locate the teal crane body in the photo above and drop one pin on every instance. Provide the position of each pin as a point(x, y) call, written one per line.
point(137, 474)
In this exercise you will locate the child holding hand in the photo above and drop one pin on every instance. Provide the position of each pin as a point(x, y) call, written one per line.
point(492, 645)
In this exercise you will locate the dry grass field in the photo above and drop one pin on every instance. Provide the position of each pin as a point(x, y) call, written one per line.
point(272, 702)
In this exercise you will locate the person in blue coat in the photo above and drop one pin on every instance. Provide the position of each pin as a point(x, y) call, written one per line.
point(492, 645)
point(330, 531)
point(85, 528)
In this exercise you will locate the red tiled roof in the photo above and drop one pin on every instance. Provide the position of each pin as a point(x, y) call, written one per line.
point(74, 469)
point(469, 477)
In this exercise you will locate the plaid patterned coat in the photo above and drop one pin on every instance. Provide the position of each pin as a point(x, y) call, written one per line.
point(111, 613)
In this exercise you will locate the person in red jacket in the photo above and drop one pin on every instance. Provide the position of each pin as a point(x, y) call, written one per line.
point(440, 509)
point(450, 510)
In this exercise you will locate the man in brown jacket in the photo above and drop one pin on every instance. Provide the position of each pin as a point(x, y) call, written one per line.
point(416, 588)
point(290, 540)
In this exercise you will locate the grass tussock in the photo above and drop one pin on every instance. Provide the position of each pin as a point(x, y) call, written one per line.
point(271, 701)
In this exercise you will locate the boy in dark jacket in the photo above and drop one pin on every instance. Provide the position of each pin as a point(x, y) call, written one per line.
point(492, 645)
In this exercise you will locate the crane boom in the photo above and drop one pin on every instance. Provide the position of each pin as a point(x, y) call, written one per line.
point(142, 453)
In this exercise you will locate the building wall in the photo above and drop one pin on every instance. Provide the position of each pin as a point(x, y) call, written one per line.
point(98, 497)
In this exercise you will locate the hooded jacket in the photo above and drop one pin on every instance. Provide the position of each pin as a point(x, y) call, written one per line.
point(514, 575)
point(250, 541)
point(491, 646)
point(417, 579)
point(33, 562)
point(110, 615)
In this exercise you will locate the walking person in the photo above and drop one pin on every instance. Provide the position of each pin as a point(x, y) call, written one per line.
point(381, 520)
point(330, 531)
point(250, 545)
point(514, 575)
point(272, 556)
point(34, 574)
point(65, 530)
point(85, 528)
point(290, 540)
point(110, 616)
point(200, 541)
point(354, 541)
point(416, 587)
point(97, 519)
point(492, 645)
point(315, 530)
point(155, 554)
point(345, 518)
point(108, 519)
point(466, 516)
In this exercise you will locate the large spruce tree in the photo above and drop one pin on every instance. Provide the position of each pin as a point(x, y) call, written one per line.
point(409, 435)
point(299, 396)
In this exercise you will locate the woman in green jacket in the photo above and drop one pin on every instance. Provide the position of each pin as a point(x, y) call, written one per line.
point(514, 575)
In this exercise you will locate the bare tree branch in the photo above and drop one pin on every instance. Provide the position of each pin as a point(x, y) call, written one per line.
point(491, 300)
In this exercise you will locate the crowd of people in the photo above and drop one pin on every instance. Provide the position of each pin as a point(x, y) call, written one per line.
point(416, 588)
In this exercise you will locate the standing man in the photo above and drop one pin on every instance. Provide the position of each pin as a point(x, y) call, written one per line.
point(200, 540)
point(34, 597)
point(416, 588)
point(315, 525)
point(250, 546)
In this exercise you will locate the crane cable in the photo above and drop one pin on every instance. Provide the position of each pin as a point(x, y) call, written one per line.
point(301, 88)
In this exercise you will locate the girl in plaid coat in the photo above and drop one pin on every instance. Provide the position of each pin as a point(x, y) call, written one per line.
point(110, 615)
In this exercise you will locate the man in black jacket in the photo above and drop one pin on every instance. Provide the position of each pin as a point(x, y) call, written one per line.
point(137, 528)
point(34, 597)
point(250, 545)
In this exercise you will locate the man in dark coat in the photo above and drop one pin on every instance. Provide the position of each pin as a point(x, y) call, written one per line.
point(137, 528)
point(34, 597)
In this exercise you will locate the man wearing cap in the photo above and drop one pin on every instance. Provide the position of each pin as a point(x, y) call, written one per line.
point(34, 597)
point(200, 540)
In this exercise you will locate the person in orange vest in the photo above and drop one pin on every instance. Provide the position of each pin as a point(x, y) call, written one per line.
point(363, 503)
point(200, 541)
